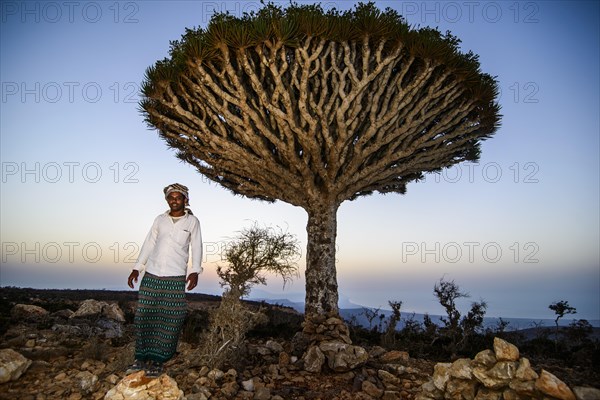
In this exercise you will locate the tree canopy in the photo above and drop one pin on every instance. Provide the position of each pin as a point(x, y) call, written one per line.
point(314, 102)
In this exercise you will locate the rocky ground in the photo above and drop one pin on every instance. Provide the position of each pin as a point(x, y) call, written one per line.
point(83, 355)
point(64, 367)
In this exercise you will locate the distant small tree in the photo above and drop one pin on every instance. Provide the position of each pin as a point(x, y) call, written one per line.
point(430, 327)
point(541, 333)
point(381, 319)
point(353, 322)
point(561, 308)
point(472, 323)
point(474, 318)
point(447, 292)
point(500, 327)
point(412, 326)
point(457, 330)
point(370, 315)
point(389, 336)
point(579, 330)
point(254, 252)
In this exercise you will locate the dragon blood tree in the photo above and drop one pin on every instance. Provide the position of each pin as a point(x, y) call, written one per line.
point(314, 108)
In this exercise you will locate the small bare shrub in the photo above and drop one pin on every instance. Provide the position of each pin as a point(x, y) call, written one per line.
point(254, 252)
point(389, 336)
point(370, 315)
point(225, 337)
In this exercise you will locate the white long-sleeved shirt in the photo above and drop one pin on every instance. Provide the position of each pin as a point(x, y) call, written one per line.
point(166, 250)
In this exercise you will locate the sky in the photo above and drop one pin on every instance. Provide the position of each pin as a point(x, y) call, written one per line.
point(82, 175)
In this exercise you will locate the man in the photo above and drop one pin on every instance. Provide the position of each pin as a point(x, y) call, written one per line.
point(165, 258)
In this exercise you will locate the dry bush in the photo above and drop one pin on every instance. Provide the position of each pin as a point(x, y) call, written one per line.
point(229, 324)
point(254, 252)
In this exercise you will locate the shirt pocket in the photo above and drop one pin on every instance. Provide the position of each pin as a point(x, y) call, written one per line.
point(182, 237)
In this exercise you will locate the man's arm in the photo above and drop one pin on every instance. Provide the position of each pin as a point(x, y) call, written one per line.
point(147, 247)
point(196, 249)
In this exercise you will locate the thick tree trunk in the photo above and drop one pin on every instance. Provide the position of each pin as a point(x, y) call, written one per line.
point(321, 279)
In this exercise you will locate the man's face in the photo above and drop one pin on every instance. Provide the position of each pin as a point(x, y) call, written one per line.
point(176, 202)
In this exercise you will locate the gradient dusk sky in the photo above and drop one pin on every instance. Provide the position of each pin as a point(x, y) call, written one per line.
point(82, 175)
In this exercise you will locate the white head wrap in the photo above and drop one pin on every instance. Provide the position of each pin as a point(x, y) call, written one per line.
point(176, 187)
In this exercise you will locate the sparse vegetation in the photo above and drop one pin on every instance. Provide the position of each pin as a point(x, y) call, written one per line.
point(561, 308)
point(389, 336)
point(229, 323)
point(371, 314)
point(456, 332)
point(576, 358)
point(456, 335)
point(252, 253)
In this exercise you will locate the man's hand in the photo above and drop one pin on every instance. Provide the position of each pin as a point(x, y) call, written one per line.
point(192, 280)
point(133, 277)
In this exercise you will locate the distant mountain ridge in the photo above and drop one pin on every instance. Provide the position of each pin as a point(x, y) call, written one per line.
point(357, 312)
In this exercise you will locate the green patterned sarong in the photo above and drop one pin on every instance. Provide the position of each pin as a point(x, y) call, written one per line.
point(159, 317)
